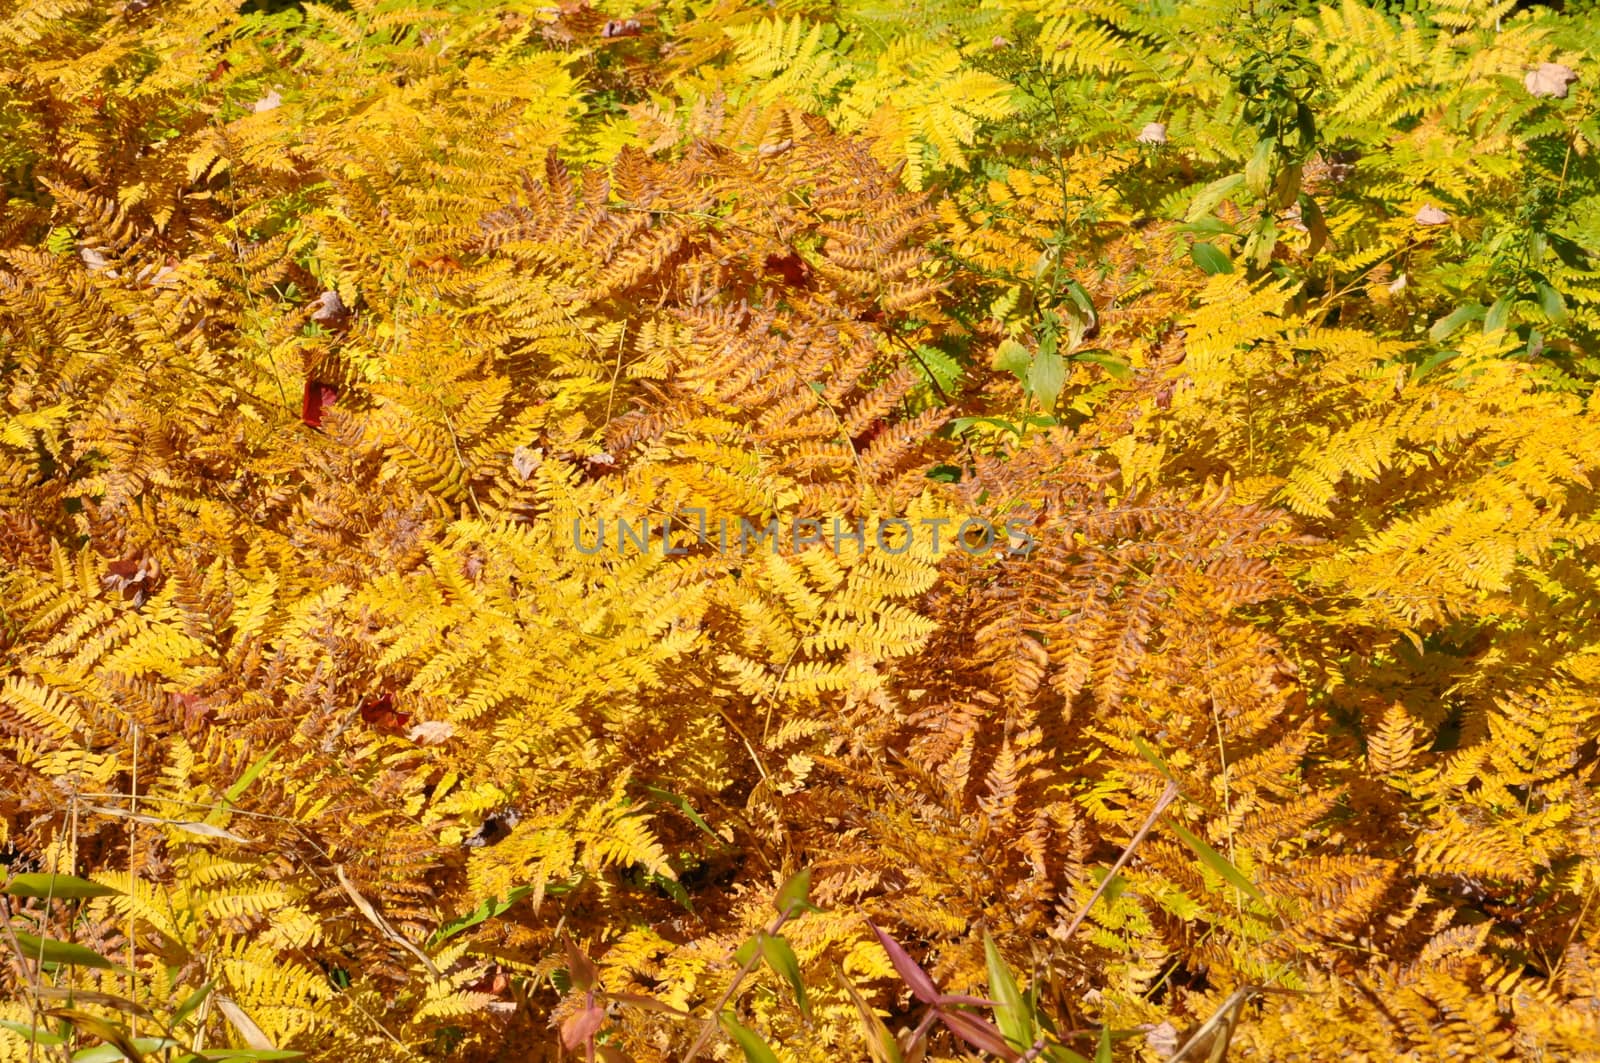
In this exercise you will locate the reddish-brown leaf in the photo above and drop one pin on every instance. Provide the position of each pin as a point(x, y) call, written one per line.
point(316, 400)
point(910, 972)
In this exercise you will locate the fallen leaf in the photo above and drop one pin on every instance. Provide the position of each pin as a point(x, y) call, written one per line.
point(1431, 215)
point(315, 401)
point(1153, 133)
point(1550, 80)
point(329, 309)
point(582, 1025)
point(431, 732)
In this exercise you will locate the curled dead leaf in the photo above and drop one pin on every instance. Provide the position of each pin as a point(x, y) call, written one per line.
point(1431, 215)
point(1153, 133)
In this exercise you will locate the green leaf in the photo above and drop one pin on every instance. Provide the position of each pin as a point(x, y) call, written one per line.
point(51, 951)
point(1495, 319)
point(193, 1001)
point(250, 775)
point(794, 896)
point(490, 908)
point(1102, 1052)
point(1571, 253)
point(249, 1054)
point(1432, 362)
point(1258, 171)
point(114, 1054)
point(1013, 357)
point(1446, 325)
point(1211, 195)
point(62, 887)
point(1555, 307)
point(1209, 258)
point(781, 958)
point(33, 1033)
point(1153, 758)
point(755, 1049)
point(1046, 377)
point(682, 805)
point(1217, 862)
point(1013, 1015)
point(1107, 361)
point(961, 424)
point(1206, 227)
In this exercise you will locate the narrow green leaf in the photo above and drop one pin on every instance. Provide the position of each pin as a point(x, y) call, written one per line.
point(490, 908)
point(755, 1049)
point(1013, 1015)
point(682, 805)
point(1063, 1054)
point(62, 887)
point(33, 1033)
point(1207, 226)
point(1569, 251)
point(1446, 325)
point(51, 951)
point(113, 1054)
point(1499, 311)
point(1209, 258)
point(1555, 307)
point(1153, 758)
point(1432, 362)
point(1102, 1052)
point(193, 1001)
point(1217, 862)
point(961, 424)
point(781, 958)
point(250, 775)
point(1107, 361)
point(1211, 195)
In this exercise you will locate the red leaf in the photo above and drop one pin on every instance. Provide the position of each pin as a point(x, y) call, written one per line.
point(317, 398)
point(795, 271)
point(958, 998)
point(580, 968)
point(979, 1033)
point(579, 1027)
point(915, 977)
point(379, 712)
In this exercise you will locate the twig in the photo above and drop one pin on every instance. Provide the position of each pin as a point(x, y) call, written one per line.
point(1168, 795)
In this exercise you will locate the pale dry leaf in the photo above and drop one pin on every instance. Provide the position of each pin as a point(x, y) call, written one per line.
point(252, 1034)
point(190, 826)
point(1431, 215)
point(527, 459)
point(270, 102)
point(1550, 80)
point(1162, 1039)
point(431, 732)
point(329, 309)
point(1153, 133)
point(365, 907)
